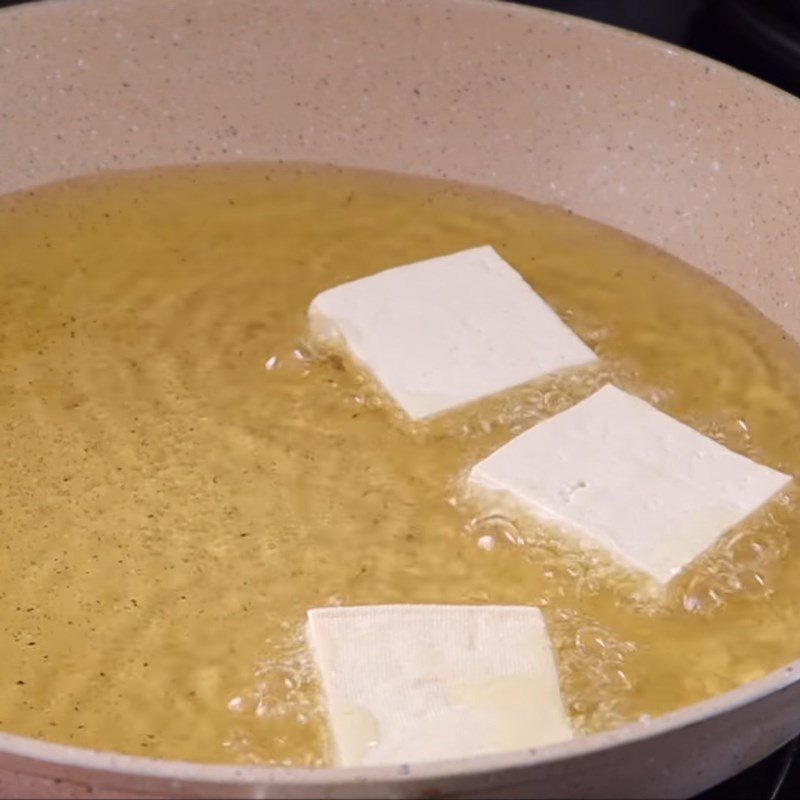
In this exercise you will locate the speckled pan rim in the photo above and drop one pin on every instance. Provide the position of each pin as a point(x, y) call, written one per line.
point(106, 768)
point(758, 84)
point(638, 38)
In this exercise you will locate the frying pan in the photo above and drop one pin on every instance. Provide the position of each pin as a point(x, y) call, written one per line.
point(668, 146)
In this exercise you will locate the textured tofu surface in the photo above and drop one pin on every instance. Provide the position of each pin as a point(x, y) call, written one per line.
point(447, 331)
point(625, 476)
point(410, 683)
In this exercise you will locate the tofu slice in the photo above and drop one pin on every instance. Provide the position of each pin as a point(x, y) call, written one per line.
point(447, 331)
point(411, 683)
point(626, 477)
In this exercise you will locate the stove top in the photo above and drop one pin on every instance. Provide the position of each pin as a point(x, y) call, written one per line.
point(775, 778)
point(761, 37)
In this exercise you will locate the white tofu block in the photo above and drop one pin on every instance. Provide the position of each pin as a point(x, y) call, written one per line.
point(411, 683)
point(447, 331)
point(623, 475)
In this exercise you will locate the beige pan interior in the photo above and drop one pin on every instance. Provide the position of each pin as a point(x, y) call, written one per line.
point(700, 163)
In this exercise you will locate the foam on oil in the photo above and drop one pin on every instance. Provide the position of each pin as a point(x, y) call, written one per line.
point(181, 476)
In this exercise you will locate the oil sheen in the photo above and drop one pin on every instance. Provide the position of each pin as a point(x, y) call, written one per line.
point(182, 476)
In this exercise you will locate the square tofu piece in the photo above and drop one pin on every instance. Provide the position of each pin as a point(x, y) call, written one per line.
point(447, 331)
point(412, 683)
point(624, 476)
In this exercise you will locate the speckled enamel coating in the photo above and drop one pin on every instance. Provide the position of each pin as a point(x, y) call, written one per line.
point(668, 146)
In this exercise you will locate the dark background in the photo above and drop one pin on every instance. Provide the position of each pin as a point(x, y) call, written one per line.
point(761, 37)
